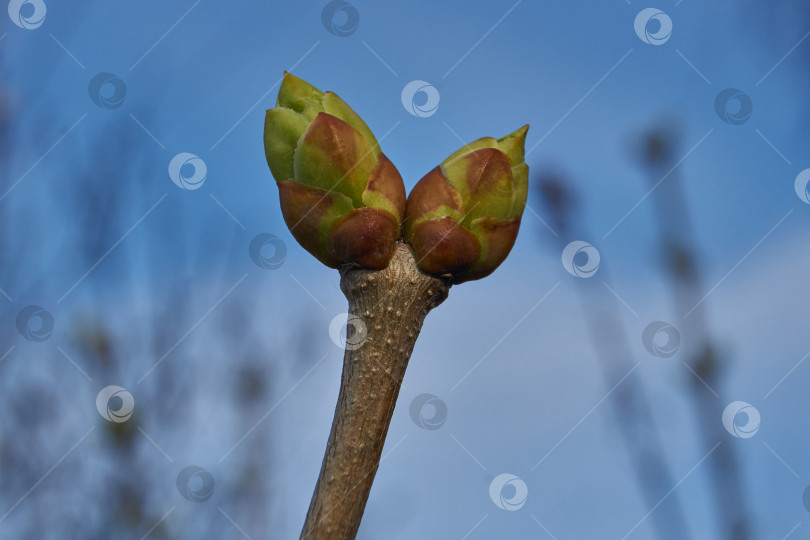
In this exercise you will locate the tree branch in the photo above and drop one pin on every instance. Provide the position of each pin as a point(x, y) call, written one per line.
point(386, 312)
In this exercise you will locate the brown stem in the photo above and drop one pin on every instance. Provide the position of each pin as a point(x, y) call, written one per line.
point(386, 312)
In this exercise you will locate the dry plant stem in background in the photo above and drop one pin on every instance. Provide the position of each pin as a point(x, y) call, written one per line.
point(392, 305)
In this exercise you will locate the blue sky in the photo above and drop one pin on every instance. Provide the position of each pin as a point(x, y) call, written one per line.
point(198, 78)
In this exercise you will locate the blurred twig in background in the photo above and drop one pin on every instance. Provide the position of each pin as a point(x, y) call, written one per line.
point(120, 481)
point(630, 404)
point(658, 153)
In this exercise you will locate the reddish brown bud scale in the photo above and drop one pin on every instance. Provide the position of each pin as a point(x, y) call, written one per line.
point(488, 170)
point(365, 236)
point(499, 238)
point(441, 246)
point(333, 156)
point(386, 181)
point(429, 195)
point(304, 210)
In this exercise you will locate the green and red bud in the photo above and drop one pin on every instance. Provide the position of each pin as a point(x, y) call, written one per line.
point(341, 198)
point(462, 218)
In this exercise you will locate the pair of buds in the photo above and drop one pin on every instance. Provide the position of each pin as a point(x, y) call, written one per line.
point(344, 201)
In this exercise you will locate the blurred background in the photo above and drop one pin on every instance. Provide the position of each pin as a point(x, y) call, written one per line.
point(635, 369)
